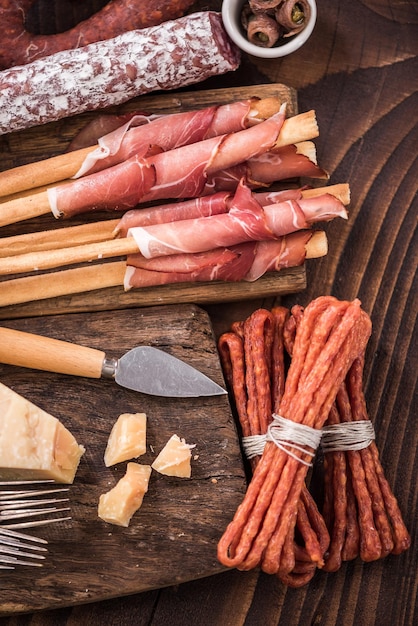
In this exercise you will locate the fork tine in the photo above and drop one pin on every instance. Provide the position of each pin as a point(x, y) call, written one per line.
point(18, 543)
point(15, 505)
point(4, 550)
point(14, 495)
point(11, 483)
point(7, 532)
point(30, 513)
point(33, 523)
point(14, 561)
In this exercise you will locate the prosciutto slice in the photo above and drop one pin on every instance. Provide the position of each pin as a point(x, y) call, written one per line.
point(178, 173)
point(166, 131)
point(247, 261)
point(261, 171)
point(203, 206)
point(246, 220)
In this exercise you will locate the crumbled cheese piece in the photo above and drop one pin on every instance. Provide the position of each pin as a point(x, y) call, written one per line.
point(118, 505)
point(174, 458)
point(127, 439)
point(34, 445)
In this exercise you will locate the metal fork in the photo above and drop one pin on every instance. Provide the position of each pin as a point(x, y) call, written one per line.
point(27, 508)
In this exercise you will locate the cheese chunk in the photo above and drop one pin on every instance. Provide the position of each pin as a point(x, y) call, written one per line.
point(174, 458)
point(127, 438)
point(118, 505)
point(34, 445)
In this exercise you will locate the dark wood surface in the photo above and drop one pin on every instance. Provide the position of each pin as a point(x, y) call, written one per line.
point(359, 72)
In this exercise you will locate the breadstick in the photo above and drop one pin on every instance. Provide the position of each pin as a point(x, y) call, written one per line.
point(57, 238)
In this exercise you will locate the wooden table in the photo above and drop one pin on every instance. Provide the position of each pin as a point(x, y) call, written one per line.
point(359, 71)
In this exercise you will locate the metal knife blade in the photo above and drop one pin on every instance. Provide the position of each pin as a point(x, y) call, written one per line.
point(155, 372)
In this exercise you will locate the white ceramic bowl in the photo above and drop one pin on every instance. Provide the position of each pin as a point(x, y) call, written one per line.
point(231, 16)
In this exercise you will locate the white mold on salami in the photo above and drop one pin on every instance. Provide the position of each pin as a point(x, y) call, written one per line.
point(168, 56)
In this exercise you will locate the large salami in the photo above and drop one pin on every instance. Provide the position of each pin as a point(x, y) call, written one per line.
point(18, 46)
point(168, 56)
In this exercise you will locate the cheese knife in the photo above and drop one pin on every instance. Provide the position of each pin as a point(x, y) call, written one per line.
point(145, 369)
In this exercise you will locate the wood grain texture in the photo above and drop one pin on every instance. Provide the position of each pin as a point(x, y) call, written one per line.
point(172, 538)
point(359, 72)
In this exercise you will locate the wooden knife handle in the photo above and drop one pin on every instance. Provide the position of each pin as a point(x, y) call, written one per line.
point(51, 355)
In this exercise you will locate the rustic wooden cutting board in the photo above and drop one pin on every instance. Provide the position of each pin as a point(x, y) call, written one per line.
point(173, 537)
point(39, 143)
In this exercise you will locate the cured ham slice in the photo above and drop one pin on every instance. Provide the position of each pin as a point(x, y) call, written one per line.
point(204, 206)
point(247, 261)
point(168, 132)
point(292, 161)
point(246, 220)
point(178, 173)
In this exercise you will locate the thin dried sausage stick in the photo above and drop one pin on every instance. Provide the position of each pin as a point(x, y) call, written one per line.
point(351, 547)
point(401, 536)
point(296, 579)
point(110, 72)
point(339, 526)
point(280, 315)
point(288, 555)
point(231, 351)
point(311, 540)
point(316, 521)
point(19, 47)
point(336, 496)
point(257, 332)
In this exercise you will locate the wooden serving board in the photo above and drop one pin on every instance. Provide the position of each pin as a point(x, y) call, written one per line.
point(39, 143)
point(173, 537)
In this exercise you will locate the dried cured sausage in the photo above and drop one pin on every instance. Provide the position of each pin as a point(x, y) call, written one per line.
point(18, 46)
point(113, 71)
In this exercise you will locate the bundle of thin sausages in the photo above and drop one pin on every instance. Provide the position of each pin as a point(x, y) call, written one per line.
point(278, 526)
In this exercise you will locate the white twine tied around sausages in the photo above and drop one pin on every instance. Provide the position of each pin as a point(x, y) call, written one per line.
point(347, 436)
point(286, 435)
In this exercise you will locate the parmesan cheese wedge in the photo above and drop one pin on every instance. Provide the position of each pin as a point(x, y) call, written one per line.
point(118, 505)
point(34, 445)
point(174, 459)
point(127, 438)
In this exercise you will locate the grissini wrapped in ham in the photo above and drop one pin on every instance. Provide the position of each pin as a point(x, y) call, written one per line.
point(173, 54)
point(178, 173)
point(204, 206)
point(168, 132)
point(106, 230)
point(245, 220)
point(116, 274)
point(111, 139)
point(247, 261)
point(298, 160)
